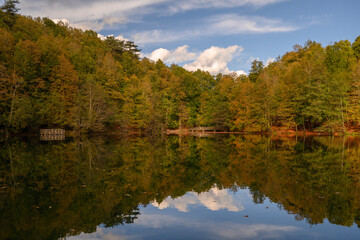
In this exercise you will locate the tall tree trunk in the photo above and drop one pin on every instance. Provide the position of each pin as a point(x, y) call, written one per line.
point(90, 107)
point(15, 84)
point(342, 116)
point(13, 182)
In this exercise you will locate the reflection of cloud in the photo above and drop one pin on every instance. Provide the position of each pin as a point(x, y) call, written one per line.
point(258, 231)
point(215, 199)
point(214, 230)
point(158, 221)
point(218, 230)
point(100, 233)
point(180, 204)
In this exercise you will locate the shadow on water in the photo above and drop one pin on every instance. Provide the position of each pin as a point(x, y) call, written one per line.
point(54, 189)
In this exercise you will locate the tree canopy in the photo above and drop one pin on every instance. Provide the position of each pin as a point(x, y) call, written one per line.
point(53, 75)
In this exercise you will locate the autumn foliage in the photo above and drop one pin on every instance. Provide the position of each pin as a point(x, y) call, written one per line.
point(53, 75)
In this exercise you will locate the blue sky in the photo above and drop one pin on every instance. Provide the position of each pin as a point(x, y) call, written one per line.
point(213, 35)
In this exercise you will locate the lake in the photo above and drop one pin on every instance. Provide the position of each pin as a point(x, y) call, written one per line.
point(171, 187)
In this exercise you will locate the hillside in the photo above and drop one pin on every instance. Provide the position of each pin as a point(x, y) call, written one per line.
point(53, 75)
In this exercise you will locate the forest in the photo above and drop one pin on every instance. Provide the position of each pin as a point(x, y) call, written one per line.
point(56, 76)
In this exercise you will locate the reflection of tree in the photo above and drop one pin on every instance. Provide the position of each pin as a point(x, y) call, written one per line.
point(312, 178)
point(55, 193)
point(258, 196)
point(50, 190)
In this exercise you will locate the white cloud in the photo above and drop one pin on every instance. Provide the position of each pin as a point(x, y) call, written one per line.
point(91, 25)
point(215, 59)
point(64, 20)
point(235, 24)
point(160, 36)
point(240, 72)
point(266, 62)
point(95, 15)
point(160, 53)
point(117, 11)
point(215, 199)
point(114, 20)
point(179, 55)
point(269, 60)
point(253, 59)
point(89, 14)
point(102, 37)
point(185, 5)
point(226, 24)
point(119, 37)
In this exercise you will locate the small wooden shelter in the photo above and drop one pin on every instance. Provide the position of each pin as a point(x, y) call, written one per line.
point(52, 134)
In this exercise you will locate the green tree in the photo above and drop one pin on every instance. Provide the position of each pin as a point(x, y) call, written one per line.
point(61, 108)
point(10, 6)
point(256, 68)
point(7, 45)
point(11, 9)
point(340, 61)
point(356, 47)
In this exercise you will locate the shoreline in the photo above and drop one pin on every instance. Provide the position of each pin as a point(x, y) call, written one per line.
point(185, 132)
point(280, 133)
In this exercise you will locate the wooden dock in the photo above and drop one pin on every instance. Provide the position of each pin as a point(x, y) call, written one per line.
point(52, 134)
point(207, 129)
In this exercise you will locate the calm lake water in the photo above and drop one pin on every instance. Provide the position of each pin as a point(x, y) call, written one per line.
point(216, 187)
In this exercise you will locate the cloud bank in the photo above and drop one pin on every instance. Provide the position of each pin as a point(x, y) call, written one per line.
point(236, 24)
point(213, 60)
point(186, 5)
point(179, 55)
point(217, 25)
point(97, 14)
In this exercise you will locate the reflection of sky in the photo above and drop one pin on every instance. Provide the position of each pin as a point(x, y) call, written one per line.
point(226, 230)
point(215, 199)
point(218, 230)
point(218, 214)
point(101, 233)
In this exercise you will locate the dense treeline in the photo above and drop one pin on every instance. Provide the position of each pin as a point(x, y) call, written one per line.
point(53, 75)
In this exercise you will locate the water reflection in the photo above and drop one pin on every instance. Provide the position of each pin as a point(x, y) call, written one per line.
point(214, 199)
point(219, 230)
point(51, 190)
